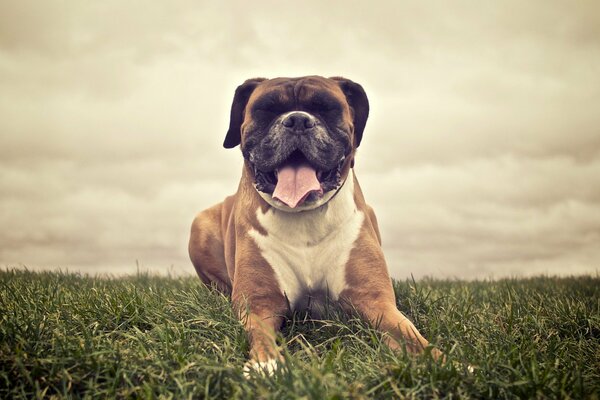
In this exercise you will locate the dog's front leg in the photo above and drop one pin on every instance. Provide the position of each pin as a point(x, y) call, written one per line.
point(370, 292)
point(400, 333)
point(261, 307)
point(262, 322)
point(262, 328)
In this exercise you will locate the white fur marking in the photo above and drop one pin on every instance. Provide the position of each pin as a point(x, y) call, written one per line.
point(309, 250)
point(284, 116)
point(265, 368)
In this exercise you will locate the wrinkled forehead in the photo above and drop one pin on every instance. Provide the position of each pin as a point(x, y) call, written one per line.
point(298, 90)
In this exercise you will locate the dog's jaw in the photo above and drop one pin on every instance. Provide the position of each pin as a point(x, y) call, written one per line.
point(306, 206)
point(312, 202)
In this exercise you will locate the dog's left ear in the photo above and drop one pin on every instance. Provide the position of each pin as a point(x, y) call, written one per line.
point(357, 99)
point(240, 99)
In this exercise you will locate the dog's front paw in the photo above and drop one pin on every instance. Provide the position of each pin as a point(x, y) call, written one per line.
point(468, 368)
point(264, 368)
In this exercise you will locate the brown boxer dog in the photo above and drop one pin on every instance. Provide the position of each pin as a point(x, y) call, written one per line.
point(298, 231)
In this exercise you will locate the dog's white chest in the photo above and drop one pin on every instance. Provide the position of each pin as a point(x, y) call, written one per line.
point(308, 250)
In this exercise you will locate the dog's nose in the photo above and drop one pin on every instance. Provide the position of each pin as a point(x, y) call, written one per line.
point(299, 121)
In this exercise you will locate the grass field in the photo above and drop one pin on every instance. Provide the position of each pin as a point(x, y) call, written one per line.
point(66, 335)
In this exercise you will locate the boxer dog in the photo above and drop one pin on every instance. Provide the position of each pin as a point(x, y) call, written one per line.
point(298, 231)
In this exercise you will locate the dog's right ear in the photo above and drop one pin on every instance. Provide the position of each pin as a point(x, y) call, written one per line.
point(240, 99)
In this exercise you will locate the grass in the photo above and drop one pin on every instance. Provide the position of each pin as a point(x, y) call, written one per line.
point(68, 335)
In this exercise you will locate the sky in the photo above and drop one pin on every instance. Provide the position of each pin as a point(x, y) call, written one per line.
point(481, 156)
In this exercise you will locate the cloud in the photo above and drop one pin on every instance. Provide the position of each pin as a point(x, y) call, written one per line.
point(479, 153)
point(488, 218)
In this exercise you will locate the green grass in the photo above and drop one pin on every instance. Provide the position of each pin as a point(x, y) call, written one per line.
point(67, 335)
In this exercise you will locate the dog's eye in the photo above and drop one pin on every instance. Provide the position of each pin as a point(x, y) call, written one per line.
point(326, 107)
point(324, 104)
point(263, 111)
point(269, 105)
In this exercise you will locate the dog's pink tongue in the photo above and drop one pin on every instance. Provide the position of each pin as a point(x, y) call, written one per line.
point(295, 183)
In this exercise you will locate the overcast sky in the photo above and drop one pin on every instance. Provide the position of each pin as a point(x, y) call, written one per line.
point(481, 156)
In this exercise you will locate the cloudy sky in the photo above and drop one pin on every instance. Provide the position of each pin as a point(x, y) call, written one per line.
point(481, 156)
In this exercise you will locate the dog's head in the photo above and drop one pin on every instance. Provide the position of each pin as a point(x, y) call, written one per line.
point(298, 136)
